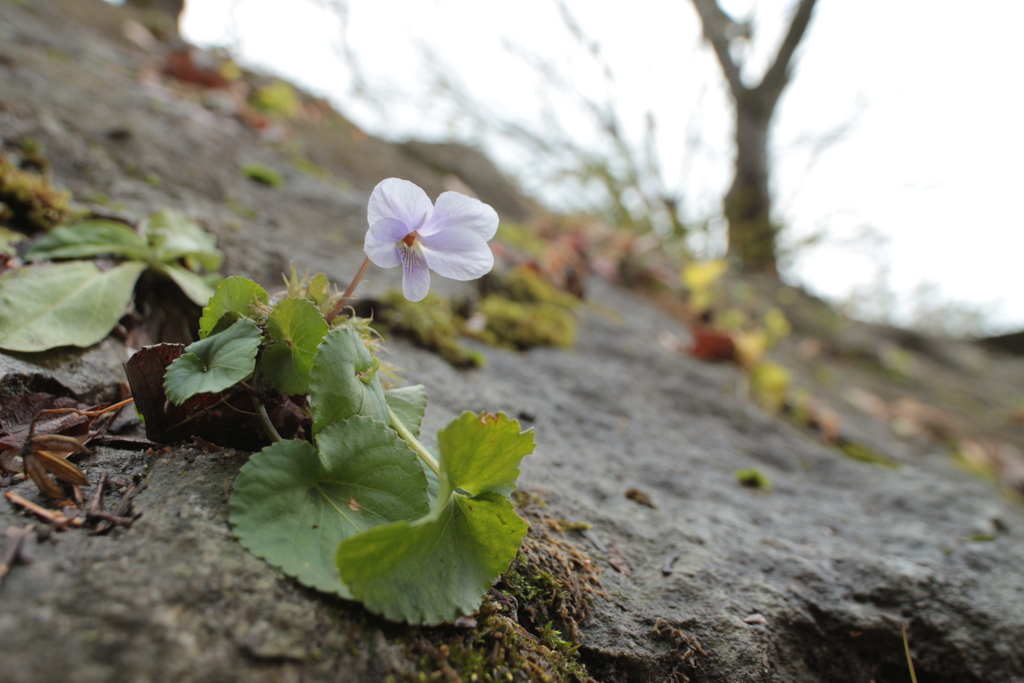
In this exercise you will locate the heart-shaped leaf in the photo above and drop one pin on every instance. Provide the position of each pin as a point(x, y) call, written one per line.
point(409, 404)
point(292, 507)
point(344, 382)
point(298, 327)
point(91, 238)
point(215, 363)
point(63, 304)
point(235, 295)
point(482, 452)
point(172, 236)
point(439, 567)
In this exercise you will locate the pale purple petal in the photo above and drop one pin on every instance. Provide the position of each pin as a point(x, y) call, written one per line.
point(415, 275)
point(396, 198)
point(454, 210)
point(457, 253)
point(381, 244)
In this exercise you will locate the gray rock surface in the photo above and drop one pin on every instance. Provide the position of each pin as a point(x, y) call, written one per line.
point(807, 582)
point(83, 373)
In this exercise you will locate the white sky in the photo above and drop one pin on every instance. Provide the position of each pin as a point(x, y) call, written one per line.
point(933, 158)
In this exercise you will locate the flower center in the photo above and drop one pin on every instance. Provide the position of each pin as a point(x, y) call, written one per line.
point(410, 239)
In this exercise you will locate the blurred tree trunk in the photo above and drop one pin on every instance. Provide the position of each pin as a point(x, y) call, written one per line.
point(168, 11)
point(747, 205)
point(172, 7)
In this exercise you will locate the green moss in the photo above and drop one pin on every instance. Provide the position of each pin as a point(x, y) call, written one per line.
point(526, 285)
point(524, 326)
point(527, 628)
point(431, 324)
point(33, 155)
point(277, 99)
point(551, 580)
point(28, 201)
point(311, 168)
point(264, 174)
point(57, 55)
point(857, 451)
point(523, 310)
point(539, 317)
point(497, 650)
point(898, 360)
point(240, 210)
point(754, 478)
point(521, 237)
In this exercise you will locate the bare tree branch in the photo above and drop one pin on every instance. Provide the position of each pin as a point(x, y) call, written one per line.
point(777, 76)
point(718, 29)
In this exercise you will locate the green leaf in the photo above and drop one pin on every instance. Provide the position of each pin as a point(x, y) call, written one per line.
point(482, 452)
point(319, 289)
point(344, 382)
point(409, 404)
point(63, 304)
point(172, 236)
point(292, 507)
point(262, 173)
point(8, 238)
point(234, 295)
point(215, 363)
point(298, 327)
point(437, 568)
point(192, 284)
point(91, 238)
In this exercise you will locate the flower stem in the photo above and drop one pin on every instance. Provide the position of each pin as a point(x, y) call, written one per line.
point(906, 648)
point(349, 291)
point(414, 443)
point(268, 427)
point(261, 410)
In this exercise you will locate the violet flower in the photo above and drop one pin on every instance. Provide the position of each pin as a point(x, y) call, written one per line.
point(449, 238)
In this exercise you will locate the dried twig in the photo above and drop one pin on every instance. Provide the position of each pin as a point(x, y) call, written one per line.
point(120, 516)
point(76, 411)
point(95, 512)
point(96, 504)
point(56, 519)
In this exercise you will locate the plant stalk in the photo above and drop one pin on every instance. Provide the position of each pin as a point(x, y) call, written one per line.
point(349, 291)
point(261, 410)
point(268, 427)
point(414, 443)
point(906, 648)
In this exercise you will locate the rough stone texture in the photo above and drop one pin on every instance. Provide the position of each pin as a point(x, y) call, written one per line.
point(84, 373)
point(832, 559)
